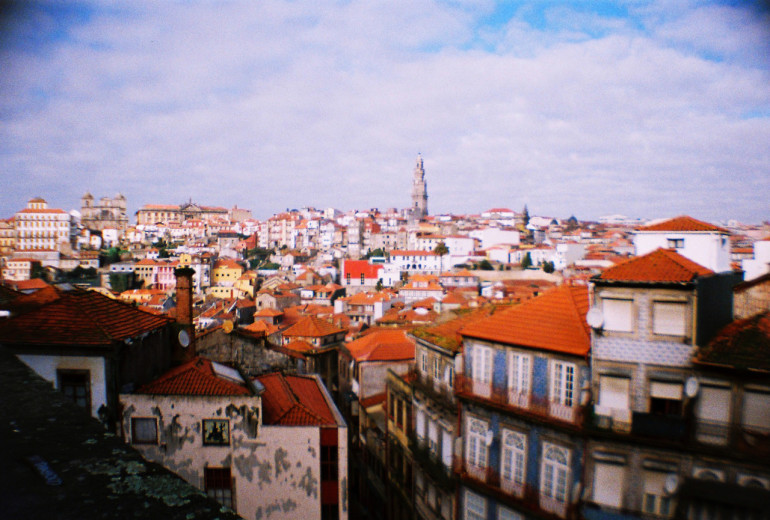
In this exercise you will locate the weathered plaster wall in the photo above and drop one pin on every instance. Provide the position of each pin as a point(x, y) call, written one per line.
point(46, 367)
point(276, 473)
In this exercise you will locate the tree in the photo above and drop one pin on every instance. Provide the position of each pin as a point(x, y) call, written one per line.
point(526, 262)
point(378, 287)
point(441, 250)
point(548, 266)
point(484, 265)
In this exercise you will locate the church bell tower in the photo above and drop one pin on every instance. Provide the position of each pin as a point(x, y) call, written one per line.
point(419, 207)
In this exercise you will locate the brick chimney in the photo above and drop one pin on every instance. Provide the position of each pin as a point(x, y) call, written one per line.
point(184, 347)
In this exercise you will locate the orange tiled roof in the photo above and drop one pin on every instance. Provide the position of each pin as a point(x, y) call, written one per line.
point(293, 400)
point(382, 345)
point(75, 317)
point(196, 377)
point(659, 266)
point(312, 326)
point(554, 321)
point(743, 345)
point(682, 223)
point(447, 334)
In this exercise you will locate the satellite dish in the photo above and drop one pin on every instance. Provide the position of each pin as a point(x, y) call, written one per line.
point(595, 318)
point(671, 484)
point(227, 326)
point(691, 387)
point(184, 338)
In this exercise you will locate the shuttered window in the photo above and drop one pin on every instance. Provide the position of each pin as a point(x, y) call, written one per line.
point(669, 318)
point(608, 484)
point(618, 315)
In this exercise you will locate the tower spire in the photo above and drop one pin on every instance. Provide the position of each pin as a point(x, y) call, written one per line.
point(419, 207)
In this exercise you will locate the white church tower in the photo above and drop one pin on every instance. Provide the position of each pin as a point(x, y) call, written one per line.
point(419, 207)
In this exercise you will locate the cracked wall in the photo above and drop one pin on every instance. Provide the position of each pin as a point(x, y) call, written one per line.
point(276, 473)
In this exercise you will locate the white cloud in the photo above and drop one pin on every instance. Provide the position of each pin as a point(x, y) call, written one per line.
point(271, 105)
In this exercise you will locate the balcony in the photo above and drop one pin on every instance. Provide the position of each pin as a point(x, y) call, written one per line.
point(441, 394)
point(431, 465)
point(527, 496)
point(526, 404)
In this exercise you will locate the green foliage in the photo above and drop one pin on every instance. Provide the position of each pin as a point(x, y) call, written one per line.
point(121, 281)
point(526, 262)
point(271, 266)
point(441, 249)
point(38, 271)
point(548, 267)
point(484, 265)
point(376, 252)
point(378, 287)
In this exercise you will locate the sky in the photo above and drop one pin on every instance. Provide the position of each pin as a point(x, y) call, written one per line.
point(588, 108)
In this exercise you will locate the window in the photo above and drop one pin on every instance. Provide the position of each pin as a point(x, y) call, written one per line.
point(216, 432)
point(514, 457)
point(613, 392)
point(503, 513)
point(400, 413)
point(436, 368)
point(475, 506)
point(608, 484)
point(424, 358)
point(76, 385)
point(618, 315)
point(481, 366)
point(477, 447)
point(420, 424)
point(219, 485)
point(675, 243)
point(665, 398)
point(518, 372)
point(362, 279)
point(655, 500)
point(563, 383)
point(669, 318)
point(755, 411)
point(433, 437)
point(144, 430)
point(555, 472)
point(713, 412)
point(329, 462)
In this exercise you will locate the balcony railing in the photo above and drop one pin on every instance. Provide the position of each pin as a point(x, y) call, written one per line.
point(437, 392)
point(515, 401)
point(528, 496)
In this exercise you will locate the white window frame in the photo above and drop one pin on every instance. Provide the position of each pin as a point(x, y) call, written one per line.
point(476, 445)
point(555, 473)
point(475, 506)
point(424, 359)
point(611, 395)
point(436, 368)
point(563, 383)
point(513, 464)
point(481, 363)
point(519, 373)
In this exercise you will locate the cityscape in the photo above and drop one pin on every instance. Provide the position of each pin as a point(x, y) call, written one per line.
point(397, 364)
point(425, 260)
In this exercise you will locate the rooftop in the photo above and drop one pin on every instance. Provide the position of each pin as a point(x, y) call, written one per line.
point(682, 223)
point(742, 345)
point(554, 321)
point(200, 377)
point(52, 316)
point(58, 462)
point(382, 345)
point(659, 266)
point(294, 400)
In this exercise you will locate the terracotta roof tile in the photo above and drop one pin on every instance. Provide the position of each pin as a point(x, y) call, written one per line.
point(554, 321)
point(196, 377)
point(292, 400)
point(743, 344)
point(382, 345)
point(683, 223)
point(659, 266)
point(311, 326)
point(76, 317)
point(447, 334)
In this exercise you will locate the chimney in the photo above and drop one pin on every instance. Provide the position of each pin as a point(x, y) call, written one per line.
point(184, 343)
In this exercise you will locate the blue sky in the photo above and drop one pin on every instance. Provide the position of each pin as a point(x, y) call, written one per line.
point(645, 108)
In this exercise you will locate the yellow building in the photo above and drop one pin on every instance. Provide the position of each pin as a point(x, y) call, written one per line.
point(226, 272)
